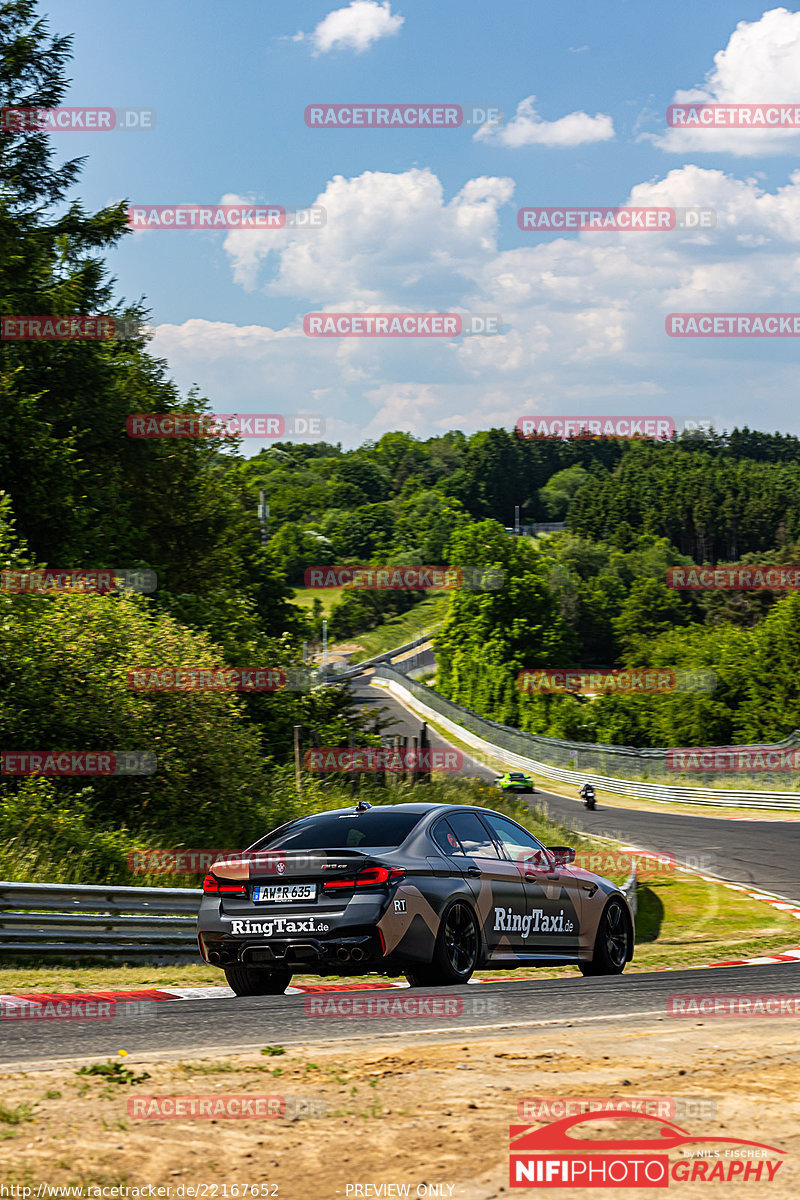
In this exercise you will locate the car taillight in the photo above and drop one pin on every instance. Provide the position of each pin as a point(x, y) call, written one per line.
point(369, 877)
point(215, 887)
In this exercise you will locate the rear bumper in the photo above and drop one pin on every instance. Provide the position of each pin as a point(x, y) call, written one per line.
point(354, 951)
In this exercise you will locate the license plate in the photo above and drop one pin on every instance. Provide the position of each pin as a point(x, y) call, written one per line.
point(285, 893)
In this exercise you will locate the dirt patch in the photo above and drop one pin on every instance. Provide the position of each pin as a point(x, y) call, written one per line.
point(404, 1114)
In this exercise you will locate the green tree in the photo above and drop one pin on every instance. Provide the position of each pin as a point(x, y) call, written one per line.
point(557, 494)
point(770, 708)
point(650, 609)
point(64, 666)
point(488, 637)
point(84, 492)
point(426, 524)
point(366, 532)
point(294, 548)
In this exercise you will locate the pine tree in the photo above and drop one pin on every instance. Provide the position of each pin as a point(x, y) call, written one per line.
point(83, 492)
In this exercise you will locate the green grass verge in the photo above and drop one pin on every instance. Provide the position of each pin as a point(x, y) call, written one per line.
point(105, 978)
point(420, 619)
point(304, 597)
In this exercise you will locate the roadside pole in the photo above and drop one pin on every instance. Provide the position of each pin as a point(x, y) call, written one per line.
point(298, 774)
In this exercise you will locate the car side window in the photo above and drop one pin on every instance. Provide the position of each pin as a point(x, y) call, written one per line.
point(445, 839)
point(473, 835)
point(519, 845)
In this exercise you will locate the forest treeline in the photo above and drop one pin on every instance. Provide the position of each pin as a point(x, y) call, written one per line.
point(571, 601)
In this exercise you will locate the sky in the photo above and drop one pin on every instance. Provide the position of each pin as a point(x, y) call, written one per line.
point(423, 220)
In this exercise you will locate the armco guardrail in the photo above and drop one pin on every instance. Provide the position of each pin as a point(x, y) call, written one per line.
point(115, 923)
point(349, 671)
point(543, 527)
point(519, 749)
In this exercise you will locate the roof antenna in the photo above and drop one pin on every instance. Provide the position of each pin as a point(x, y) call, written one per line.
point(363, 805)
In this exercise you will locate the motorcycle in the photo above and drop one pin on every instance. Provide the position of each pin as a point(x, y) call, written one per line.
point(587, 795)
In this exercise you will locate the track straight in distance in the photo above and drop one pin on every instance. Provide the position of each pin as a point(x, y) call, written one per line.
point(761, 853)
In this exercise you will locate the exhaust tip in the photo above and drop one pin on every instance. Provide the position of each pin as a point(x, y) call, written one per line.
point(343, 954)
point(214, 956)
point(358, 954)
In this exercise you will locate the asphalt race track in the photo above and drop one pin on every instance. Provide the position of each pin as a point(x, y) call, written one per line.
point(178, 1028)
point(762, 853)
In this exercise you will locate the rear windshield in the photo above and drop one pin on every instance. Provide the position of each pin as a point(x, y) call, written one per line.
point(376, 829)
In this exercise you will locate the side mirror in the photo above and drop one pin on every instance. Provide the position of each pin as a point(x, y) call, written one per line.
point(531, 862)
point(563, 855)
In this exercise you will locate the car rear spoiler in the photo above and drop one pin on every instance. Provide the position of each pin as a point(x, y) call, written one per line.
point(277, 864)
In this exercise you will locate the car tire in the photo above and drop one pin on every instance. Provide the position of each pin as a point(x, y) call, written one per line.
point(456, 952)
point(611, 943)
point(254, 981)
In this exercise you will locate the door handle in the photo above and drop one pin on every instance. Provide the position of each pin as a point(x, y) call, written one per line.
point(473, 870)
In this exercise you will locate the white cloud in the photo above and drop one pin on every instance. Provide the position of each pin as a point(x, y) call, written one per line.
point(377, 242)
point(528, 129)
point(760, 64)
point(584, 312)
point(356, 27)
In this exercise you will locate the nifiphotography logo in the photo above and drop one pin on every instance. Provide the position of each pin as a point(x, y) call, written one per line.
point(561, 1155)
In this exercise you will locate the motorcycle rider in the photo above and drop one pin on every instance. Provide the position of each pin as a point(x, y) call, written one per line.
point(587, 795)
